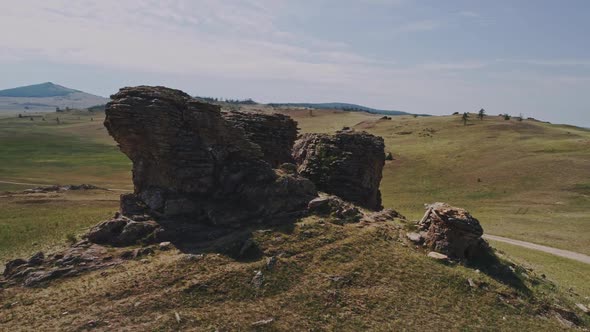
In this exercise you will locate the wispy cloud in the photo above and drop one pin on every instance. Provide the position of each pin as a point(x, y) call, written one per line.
point(468, 13)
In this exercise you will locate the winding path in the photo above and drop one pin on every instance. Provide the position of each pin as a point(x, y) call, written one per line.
point(554, 251)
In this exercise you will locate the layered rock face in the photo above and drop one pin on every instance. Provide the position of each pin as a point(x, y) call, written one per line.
point(189, 162)
point(274, 133)
point(348, 164)
point(451, 231)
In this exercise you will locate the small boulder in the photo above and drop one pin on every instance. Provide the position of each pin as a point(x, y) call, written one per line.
point(165, 245)
point(452, 231)
point(415, 237)
point(122, 231)
point(438, 256)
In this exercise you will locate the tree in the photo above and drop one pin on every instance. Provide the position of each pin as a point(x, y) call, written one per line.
point(465, 117)
point(506, 116)
point(481, 114)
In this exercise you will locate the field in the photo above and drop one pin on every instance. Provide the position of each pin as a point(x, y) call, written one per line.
point(524, 180)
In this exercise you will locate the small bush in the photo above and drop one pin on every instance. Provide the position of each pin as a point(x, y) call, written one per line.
point(71, 238)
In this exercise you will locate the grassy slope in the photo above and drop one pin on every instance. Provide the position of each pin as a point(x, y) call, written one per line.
point(328, 278)
point(535, 179)
point(43, 221)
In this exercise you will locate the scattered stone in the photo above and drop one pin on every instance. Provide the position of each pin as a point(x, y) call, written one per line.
point(263, 322)
point(271, 262)
point(383, 216)
point(415, 237)
point(123, 231)
point(438, 256)
point(192, 257)
point(583, 308)
point(165, 245)
point(471, 283)
point(258, 279)
point(328, 205)
point(452, 231)
point(177, 316)
point(348, 164)
point(60, 188)
point(141, 252)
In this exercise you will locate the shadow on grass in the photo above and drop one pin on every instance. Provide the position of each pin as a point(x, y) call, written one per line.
point(236, 243)
point(490, 264)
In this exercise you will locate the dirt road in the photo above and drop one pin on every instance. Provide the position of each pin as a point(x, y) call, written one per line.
point(554, 251)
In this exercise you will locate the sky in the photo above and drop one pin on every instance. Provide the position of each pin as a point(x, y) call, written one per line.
point(529, 57)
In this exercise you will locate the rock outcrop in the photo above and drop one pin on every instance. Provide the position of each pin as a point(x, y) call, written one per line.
point(189, 163)
point(274, 133)
point(451, 231)
point(348, 164)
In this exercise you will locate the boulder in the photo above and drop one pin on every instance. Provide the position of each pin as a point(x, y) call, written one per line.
point(191, 163)
point(274, 133)
point(348, 164)
point(122, 231)
point(451, 231)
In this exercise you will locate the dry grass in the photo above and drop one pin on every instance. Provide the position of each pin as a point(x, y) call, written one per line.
point(327, 277)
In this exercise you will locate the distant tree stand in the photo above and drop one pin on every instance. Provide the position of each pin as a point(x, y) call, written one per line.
point(481, 114)
point(465, 118)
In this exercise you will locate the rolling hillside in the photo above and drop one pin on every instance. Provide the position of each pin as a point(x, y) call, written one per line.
point(526, 180)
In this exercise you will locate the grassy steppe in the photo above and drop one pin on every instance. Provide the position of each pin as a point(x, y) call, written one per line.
point(533, 186)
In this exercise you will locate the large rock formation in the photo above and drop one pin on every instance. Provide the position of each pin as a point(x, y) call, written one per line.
point(190, 163)
point(451, 231)
point(274, 133)
point(348, 164)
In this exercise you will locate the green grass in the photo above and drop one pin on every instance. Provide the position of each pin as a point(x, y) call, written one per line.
point(525, 180)
point(74, 151)
point(31, 223)
point(565, 273)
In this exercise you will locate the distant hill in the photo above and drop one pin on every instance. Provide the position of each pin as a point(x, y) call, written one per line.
point(38, 91)
point(344, 107)
point(46, 97)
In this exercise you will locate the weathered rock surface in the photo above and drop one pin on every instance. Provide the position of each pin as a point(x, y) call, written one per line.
point(329, 205)
point(274, 133)
point(123, 231)
point(191, 163)
point(348, 164)
point(451, 231)
point(41, 269)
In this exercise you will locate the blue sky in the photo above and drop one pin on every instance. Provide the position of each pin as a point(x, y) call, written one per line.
point(437, 57)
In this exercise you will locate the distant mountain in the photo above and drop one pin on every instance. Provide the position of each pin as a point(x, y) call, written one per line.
point(46, 97)
point(344, 107)
point(38, 91)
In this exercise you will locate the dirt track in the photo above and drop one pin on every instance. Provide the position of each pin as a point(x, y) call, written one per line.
point(554, 251)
